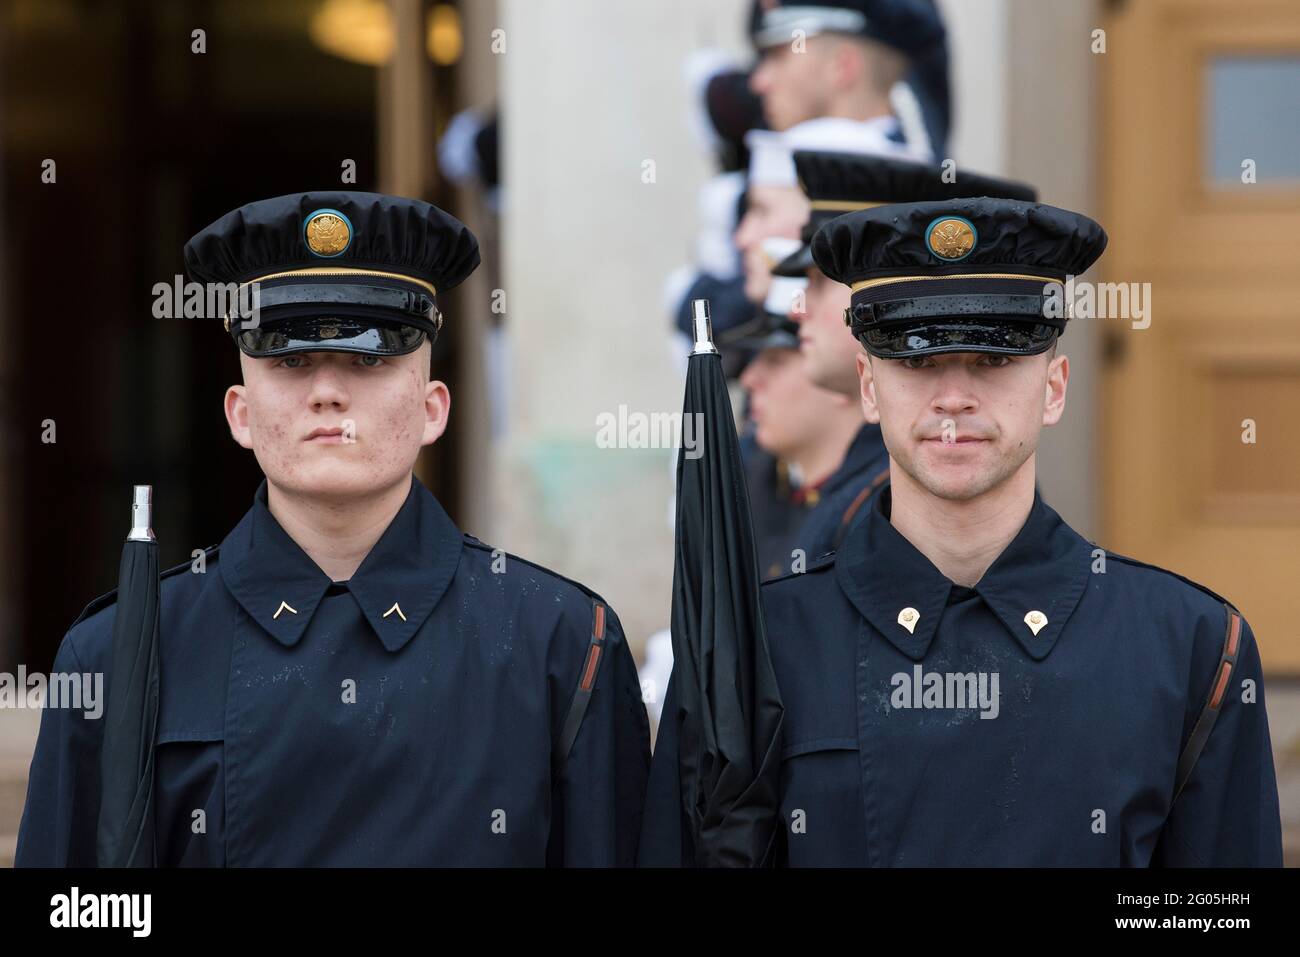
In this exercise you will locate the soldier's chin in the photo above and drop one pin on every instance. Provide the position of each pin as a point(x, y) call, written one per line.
point(956, 482)
point(769, 440)
point(820, 372)
point(337, 479)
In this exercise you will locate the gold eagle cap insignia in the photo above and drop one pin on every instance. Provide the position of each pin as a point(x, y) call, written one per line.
point(327, 233)
point(951, 239)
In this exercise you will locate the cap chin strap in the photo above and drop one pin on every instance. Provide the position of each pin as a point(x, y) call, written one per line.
point(280, 340)
point(863, 317)
point(391, 298)
point(332, 286)
point(903, 340)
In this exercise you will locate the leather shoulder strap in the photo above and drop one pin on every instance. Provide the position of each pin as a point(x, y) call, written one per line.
point(581, 696)
point(1213, 702)
point(856, 504)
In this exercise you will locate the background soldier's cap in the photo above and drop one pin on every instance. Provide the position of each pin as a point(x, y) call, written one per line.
point(771, 327)
point(765, 331)
point(967, 275)
point(839, 183)
point(336, 271)
point(910, 26)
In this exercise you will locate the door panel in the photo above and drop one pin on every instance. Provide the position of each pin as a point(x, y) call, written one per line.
point(1193, 88)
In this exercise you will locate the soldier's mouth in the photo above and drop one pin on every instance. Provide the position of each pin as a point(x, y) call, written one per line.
point(326, 436)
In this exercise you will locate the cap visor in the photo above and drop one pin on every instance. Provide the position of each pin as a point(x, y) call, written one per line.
point(795, 265)
point(901, 340)
point(329, 334)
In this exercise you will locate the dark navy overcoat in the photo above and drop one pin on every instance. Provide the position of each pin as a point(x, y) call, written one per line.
point(1035, 719)
point(409, 716)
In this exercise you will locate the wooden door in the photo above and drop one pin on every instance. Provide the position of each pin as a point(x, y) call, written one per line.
point(1200, 449)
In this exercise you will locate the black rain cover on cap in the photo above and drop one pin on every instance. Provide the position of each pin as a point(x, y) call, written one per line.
point(332, 256)
point(838, 183)
point(967, 275)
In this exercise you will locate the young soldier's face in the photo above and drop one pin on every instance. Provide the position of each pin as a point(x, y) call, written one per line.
point(790, 414)
point(337, 424)
point(963, 423)
point(770, 211)
point(796, 85)
point(830, 352)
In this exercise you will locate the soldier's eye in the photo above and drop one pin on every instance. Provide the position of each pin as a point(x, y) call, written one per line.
point(915, 362)
point(371, 361)
point(292, 362)
point(997, 362)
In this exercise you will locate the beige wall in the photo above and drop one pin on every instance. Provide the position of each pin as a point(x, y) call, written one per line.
point(592, 90)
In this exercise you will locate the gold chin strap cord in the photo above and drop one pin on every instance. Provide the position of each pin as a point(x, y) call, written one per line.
point(887, 280)
point(847, 205)
point(341, 271)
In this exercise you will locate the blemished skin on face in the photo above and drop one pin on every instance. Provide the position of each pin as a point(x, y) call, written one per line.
point(335, 427)
point(769, 211)
point(798, 86)
point(829, 349)
point(962, 424)
point(792, 417)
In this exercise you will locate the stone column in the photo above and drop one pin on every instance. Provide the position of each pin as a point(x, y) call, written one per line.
point(601, 171)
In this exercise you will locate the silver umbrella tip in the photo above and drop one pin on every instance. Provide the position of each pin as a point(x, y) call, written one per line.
point(141, 514)
point(701, 327)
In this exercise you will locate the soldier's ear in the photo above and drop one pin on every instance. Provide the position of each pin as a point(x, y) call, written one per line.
point(867, 386)
point(236, 407)
point(1058, 377)
point(437, 409)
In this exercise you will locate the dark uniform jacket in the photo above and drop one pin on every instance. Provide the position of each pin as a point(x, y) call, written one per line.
point(406, 717)
point(900, 750)
point(775, 513)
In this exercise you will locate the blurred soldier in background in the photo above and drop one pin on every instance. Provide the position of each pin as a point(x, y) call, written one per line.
point(843, 60)
point(804, 426)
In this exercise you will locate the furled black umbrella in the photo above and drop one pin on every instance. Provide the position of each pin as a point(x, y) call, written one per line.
point(729, 709)
point(126, 825)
